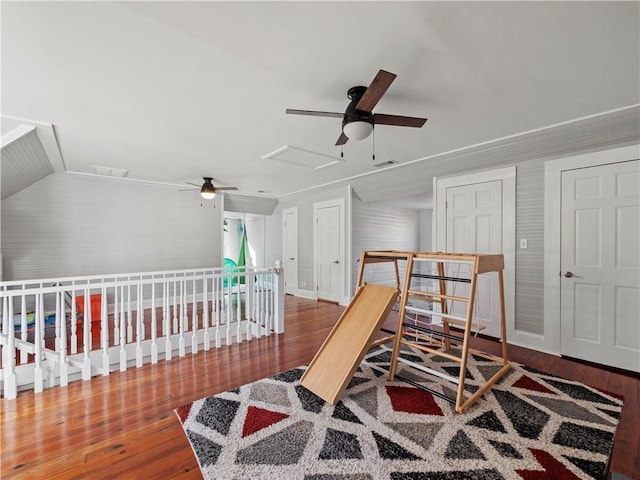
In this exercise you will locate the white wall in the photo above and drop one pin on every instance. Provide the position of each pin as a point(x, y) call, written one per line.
point(69, 224)
point(256, 237)
point(305, 202)
point(381, 227)
point(529, 314)
point(425, 218)
point(273, 237)
point(372, 227)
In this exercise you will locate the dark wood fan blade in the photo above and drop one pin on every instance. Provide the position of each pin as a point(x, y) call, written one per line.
point(398, 120)
point(376, 90)
point(342, 139)
point(225, 188)
point(314, 113)
point(189, 189)
point(189, 183)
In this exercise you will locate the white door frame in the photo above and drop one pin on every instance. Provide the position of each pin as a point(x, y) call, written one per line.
point(507, 176)
point(339, 202)
point(293, 289)
point(552, 217)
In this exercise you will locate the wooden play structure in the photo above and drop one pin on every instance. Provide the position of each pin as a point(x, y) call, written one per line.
point(437, 327)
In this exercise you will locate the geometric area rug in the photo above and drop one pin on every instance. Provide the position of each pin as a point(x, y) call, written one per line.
point(529, 425)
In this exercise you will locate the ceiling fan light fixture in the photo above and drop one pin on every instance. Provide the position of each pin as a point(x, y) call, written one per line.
point(358, 130)
point(207, 191)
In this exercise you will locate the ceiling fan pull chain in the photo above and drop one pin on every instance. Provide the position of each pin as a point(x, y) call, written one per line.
point(373, 144)
point(341, 151)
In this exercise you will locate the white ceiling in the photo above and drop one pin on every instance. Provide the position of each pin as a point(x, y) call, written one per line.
point(174, 91)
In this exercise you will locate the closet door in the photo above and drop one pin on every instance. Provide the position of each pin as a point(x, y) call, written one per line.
point(600, 264)
point(474, 225)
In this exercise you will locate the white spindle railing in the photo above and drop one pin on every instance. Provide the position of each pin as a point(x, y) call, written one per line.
point(49, 336)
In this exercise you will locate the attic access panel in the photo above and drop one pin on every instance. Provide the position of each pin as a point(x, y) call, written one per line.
point(302, 157)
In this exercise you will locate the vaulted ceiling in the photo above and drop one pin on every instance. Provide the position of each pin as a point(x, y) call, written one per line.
point(174, 91)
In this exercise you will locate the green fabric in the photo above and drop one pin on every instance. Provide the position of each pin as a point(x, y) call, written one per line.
point(244, 248)
point(229, 266)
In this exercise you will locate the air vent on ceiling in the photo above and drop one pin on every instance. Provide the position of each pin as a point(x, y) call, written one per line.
point(386, 163)
point(110, 171)
point(302, 157)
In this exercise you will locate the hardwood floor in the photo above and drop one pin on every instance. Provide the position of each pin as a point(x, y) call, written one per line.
point(123, 425)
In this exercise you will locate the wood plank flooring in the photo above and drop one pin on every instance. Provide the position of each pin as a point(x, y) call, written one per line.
point(123, 426)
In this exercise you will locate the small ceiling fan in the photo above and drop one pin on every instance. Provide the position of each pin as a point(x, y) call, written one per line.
point(207, 190)
point(358, 120)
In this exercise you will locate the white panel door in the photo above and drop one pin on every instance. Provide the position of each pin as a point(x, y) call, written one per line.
point(474, 225)
point(600, 262)
point(329, 252)
point(290, 249)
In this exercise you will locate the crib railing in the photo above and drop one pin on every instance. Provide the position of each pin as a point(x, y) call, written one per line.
point(58, 330)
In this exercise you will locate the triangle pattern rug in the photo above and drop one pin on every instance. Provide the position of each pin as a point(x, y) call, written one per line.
point(530, 425)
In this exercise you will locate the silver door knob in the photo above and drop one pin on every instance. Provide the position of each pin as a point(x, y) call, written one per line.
point(568, 274)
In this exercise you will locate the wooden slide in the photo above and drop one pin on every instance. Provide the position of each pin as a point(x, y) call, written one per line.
point(331, 369)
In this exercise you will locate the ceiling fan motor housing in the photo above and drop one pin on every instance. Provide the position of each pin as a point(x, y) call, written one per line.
point(352, 114)
point(208, 191)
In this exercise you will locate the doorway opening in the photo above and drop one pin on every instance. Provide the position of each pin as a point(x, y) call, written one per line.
point(244, 239)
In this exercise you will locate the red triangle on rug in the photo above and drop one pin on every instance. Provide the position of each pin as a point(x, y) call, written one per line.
point(413, 400)
point(259, 418)
point(529, 384)
point(552, 468)
point(183, 412)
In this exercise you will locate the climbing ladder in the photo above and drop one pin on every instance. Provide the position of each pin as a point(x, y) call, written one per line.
point(438, 328)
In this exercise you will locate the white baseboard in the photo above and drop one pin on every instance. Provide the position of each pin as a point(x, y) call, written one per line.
point(298, 292)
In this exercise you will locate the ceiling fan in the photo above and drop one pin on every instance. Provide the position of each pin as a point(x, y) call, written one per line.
point(358, 120)
point(207, 190)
